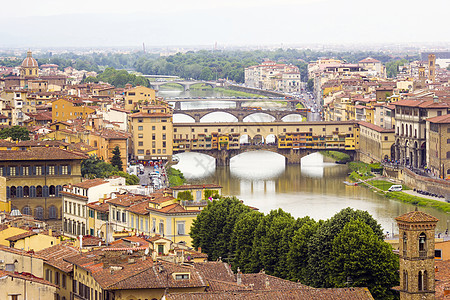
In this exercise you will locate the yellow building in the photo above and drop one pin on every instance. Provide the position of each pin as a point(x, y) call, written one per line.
point(137, 96)
point(24, 286)
point(438, 149)
point(31, 240)
point(376, 143)
point(198, 191)
point(106, 140)
point(58, 271)
point(152, 135)
point(69, 109)
point(5, 205)
point(29, 67)
point(35, 178)
point(158, 214)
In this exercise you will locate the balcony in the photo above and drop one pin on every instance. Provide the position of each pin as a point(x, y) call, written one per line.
point(422, 253)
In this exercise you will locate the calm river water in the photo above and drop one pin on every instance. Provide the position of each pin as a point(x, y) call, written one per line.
point(261, 179)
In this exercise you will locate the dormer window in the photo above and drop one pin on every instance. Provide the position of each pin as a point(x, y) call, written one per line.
point(182, 276)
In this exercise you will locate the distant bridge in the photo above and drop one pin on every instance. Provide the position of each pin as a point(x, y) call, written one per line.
point(186, 84)
point(291, 104)
point(239, 114)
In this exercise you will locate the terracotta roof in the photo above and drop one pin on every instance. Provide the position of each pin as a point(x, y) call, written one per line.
point(55, 256)
point(445, 119)
point(442, 277)
point(306, 294)
point(421, 103)
point(215, 270)
point(262, 281)
point(98, 206)
point(90, 183)
point(40, 153)
point(416, 216)
point(20, 252)
point(20, 236)
point(127, 199)
point(28, 277)
point(369, 60)
point(375, 127)
point(196, 186)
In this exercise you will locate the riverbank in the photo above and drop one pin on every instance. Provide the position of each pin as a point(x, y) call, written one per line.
point(337, 156)
point(381, 186)
point(224, 91)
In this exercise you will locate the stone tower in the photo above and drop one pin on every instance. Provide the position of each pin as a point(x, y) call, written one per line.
point(422, 76)
point(416, 240)
point(431, 67)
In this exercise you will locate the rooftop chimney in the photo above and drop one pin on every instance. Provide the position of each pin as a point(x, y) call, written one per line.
point(239, 276)
point(436, 99)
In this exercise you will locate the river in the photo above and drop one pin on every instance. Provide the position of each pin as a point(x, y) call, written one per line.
point(262, 180)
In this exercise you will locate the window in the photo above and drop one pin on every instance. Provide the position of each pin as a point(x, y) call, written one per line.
point(141, 144)
point(164, 136)
point(140, 120)
point(405, 243)
point(140, 128)
point(140, 135)
point(38, 170)
point(161, 227)
point(57, 278)
point(51, 170)
point(438, 254)
point(180, 228)
point(422, 245)
point(181, 276)
point(25, 171)
point(12, 171)
point(153, 224)
point(140, 151)
point(64, 170)
point(124, 217)
point(153, 136)
point(113, 213)
point(385, 138)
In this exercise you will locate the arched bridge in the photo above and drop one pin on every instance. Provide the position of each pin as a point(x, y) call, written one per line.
point(186, 84)
point(240, 114)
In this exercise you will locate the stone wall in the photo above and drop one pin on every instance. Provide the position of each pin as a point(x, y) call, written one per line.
point(437, 186)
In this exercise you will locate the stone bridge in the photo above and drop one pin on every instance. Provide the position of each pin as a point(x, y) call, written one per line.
point(292, 156)
point(240, 114)
point(291, 104)
point(186, 84)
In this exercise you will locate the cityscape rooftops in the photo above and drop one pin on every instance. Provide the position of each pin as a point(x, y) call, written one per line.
point(40, 153)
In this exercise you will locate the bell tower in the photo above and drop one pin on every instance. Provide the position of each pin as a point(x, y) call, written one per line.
point(416, 241)
point(432, 67)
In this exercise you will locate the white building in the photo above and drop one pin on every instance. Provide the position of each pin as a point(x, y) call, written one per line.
point(75, 197)
point(272, 76)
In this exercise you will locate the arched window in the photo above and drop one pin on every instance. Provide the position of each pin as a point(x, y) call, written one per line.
point(425, 280)
point(26, 191)
point(420, 283)
point(39, 191)
point(405, 243)
point(405, 280)
point(39, 213)
point(26, 210)
point(52, 191)
point(410, 130)
point(422, 245)
point(52, 212)
point(13, 192)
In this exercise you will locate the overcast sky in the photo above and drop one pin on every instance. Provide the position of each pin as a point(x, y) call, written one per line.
point(53, 23)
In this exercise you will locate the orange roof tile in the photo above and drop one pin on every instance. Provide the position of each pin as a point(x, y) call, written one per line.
point(416, 216)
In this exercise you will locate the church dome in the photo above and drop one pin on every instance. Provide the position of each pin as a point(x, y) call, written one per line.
point(29, 62)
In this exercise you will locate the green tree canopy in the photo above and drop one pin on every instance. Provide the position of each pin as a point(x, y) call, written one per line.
point(320, 244)
point(16, 133)
point(94, 167)
point(116, 160)
point(213, 227)
point(360, 258)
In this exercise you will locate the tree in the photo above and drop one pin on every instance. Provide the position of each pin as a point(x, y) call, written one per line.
point(16, 133)
point(213, 227)
point(94, 167)
point(116, 160)
point(320, 244)
point(242, 240)
point(130, 179)
point(310, 84)
point(359, 257)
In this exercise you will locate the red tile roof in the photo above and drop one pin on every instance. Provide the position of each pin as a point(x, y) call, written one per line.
point(20, 236)
point(40, 153)
point(90, 183)
point(444, 119)
point(55, 256)
point(416, 216)
point(291, 294)
point(375, 127)
point(27, 277)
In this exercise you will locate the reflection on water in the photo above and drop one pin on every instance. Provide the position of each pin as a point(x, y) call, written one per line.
point(313, 189)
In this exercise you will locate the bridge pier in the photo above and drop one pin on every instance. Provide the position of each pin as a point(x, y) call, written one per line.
point(177, 106)
point(222, 158)
point(238, 104)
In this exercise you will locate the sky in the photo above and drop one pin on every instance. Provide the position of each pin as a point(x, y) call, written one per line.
point(95, 23)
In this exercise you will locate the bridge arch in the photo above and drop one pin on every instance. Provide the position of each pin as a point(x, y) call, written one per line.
point(259, 117)
point(182, 118)
point(203, 84)
point(292, 118)
point(212, 117)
